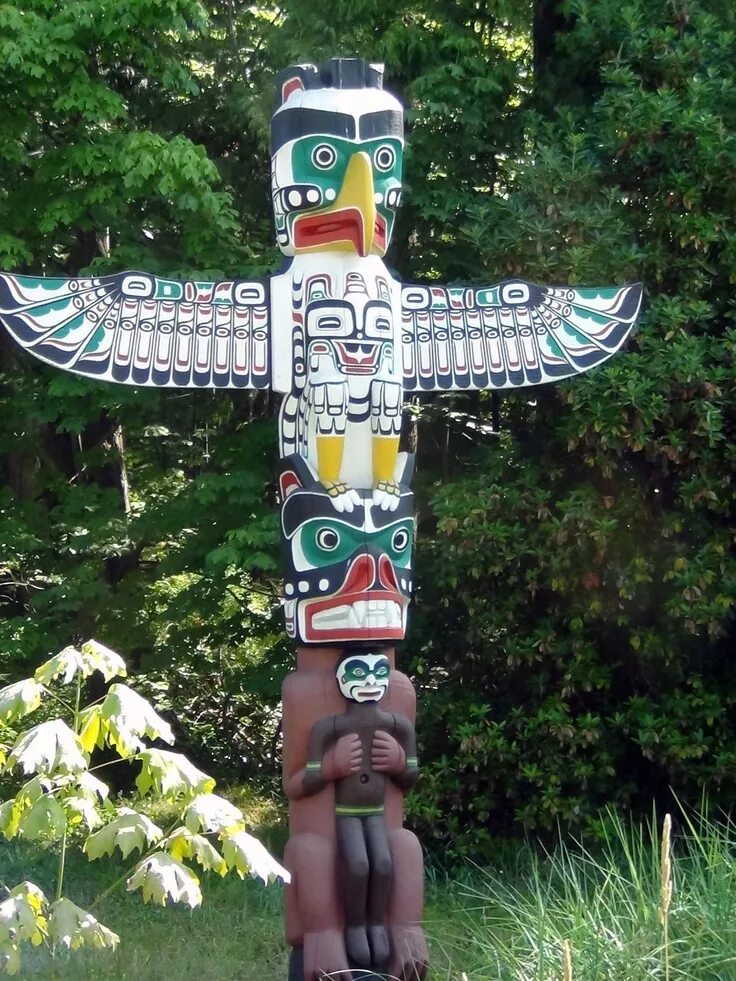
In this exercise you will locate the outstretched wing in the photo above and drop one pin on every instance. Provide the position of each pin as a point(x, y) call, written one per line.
point(138, 329)
point(510, 335)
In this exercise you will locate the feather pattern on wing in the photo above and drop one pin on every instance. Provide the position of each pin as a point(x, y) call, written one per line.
point(510, 335)
point(138, 329)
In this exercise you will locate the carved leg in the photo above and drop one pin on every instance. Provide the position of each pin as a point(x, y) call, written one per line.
point(379, 855)
point(355, 872)
point(409, 955)
point(385, 429)
point(311, 860)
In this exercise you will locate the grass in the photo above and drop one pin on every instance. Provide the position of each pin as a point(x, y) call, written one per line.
point(589, 914)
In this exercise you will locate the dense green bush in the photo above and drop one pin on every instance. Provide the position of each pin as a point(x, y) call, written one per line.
point(574, 626)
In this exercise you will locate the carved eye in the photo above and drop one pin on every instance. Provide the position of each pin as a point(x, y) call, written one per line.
point(324, 156)
point(399, 540)
point(385, 157)
point(359, 673)
point(327, 539)
point(382, 672)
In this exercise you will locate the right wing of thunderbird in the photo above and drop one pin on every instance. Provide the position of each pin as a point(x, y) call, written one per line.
point(137, 329)
point(510, 335)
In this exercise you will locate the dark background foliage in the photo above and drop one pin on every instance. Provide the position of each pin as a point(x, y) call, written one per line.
point(573, 628)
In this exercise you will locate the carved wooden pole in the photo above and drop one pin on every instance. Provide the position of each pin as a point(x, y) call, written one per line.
point(342, 340)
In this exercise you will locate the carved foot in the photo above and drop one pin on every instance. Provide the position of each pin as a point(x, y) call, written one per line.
point(410, 957)
point(380, 949)
point(324, 956)
point(343, 497)
point(386, 495)
point(356, 941)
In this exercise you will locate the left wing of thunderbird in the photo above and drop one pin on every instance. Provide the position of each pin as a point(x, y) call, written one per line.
point(137, 329)
point(510, 335)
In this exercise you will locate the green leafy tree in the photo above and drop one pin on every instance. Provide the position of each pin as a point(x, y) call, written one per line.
point(580, 570)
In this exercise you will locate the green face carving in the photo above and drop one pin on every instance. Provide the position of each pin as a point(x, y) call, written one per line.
point(326, 541)
point(337, 194)
point(322, 162)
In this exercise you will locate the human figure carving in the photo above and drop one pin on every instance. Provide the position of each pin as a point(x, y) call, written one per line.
point(359, 750)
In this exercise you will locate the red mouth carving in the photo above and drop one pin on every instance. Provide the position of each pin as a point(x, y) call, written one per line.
point(353, 619)
point(358, 359)
point(379, 234)
point(345, 225)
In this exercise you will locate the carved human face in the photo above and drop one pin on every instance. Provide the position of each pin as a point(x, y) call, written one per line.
point(336, 170)
point(363, 677)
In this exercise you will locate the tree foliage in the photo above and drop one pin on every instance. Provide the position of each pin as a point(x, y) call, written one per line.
point(576, 554)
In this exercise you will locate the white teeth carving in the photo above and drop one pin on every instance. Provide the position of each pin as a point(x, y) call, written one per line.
point(362, 613)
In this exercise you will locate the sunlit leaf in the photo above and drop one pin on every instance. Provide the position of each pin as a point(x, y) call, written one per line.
point(9, 958)
point(126, 717)
point(10, 815)
point(44, 819)
point(210, 812)
point(91, 731)
point(63, 665)
point(81, 809)
point(183, 844)
point(74, 927)
point(19, 699)
point(246, 855)
point(128, 831)
point(89, 783)
point(47, 748)
point(97, 657)
point(162, 878)
point(171, 775)
point(22, 915)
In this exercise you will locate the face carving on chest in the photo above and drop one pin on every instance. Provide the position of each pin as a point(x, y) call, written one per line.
point(337, 142)
point(363, 677)
point(351, 327)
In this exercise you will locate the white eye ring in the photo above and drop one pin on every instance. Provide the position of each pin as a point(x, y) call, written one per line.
point(328, 539)
point(400, 539)
point(324, 156)
point(385, 157)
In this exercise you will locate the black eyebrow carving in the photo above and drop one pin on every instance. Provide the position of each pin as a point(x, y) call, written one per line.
point(291, 124)
point(386, 122)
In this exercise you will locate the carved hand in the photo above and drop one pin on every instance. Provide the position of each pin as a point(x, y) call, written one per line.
point(387, 756)
point(344, 758)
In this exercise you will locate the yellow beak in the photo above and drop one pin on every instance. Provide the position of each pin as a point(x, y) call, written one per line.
point(357, 192)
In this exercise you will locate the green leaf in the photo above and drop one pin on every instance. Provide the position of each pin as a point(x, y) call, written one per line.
point(19, 699)
point(73, 927)
point(162, 878)
point(171, 775)
point(70, 662)
point(183, 844)
point(48, 748)
point(246, 855)
point(22, 917)
point(125, 717)
point(210, 812)
point(128, 831)
point(44, 819)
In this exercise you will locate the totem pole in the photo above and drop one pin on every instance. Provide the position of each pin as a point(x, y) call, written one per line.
point(341, 339)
